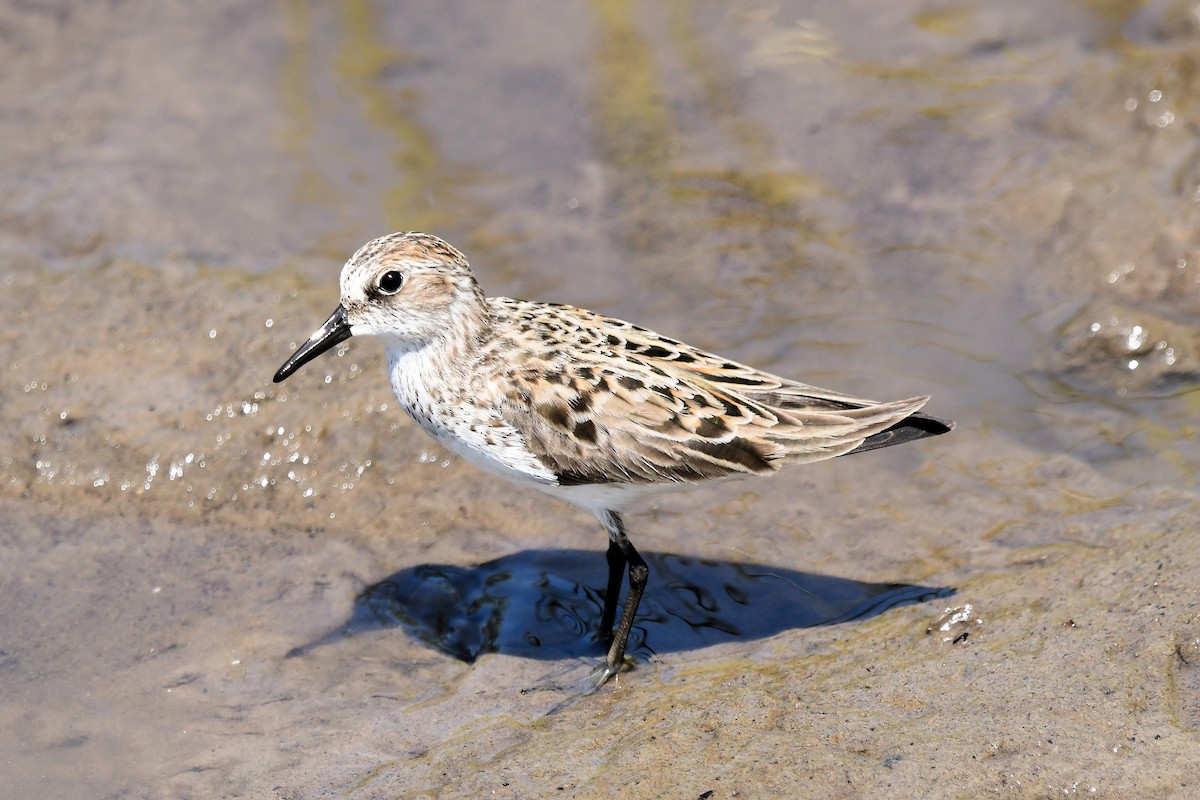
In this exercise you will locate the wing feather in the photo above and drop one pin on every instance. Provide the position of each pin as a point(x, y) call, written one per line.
point(602, 400)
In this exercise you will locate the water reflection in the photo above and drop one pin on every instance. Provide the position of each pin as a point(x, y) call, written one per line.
point(546, 604)
point(394, 175)
point(685, 210)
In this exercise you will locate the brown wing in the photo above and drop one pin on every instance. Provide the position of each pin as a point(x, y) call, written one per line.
point(623, 404)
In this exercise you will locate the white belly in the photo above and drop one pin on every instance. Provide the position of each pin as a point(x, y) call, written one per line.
point(475, 432)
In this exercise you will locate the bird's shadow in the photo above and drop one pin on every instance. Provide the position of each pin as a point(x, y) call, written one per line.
point(546, 604)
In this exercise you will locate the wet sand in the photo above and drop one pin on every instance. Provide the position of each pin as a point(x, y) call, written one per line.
point(211, 586)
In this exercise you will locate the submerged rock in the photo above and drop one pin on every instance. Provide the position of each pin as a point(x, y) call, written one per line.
point(1109, 346)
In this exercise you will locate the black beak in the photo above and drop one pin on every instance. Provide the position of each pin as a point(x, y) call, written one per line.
point(336, 329)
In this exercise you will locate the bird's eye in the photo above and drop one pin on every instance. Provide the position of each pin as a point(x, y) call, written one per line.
point(390, 282)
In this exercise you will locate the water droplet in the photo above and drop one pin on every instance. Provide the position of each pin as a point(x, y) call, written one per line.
point(1135, 339)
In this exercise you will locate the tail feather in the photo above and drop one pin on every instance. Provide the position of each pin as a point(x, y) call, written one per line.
point(909, 429)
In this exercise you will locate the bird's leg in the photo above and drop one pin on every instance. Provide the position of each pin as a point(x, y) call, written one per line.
point(638, 573)
point(616, 570)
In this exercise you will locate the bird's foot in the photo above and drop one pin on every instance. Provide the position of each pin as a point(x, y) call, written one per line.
point(603, 672)
point(559, 679)
point(589, 685)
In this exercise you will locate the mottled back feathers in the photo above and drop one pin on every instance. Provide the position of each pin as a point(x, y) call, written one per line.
point(623, 404)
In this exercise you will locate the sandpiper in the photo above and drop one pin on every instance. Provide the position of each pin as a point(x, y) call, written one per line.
point(591, 409)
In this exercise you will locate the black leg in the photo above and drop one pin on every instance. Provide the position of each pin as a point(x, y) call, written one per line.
point(638, 574)
point(616, 570)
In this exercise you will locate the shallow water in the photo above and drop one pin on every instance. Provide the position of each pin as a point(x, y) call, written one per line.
point(994, 204)
point(546, 604)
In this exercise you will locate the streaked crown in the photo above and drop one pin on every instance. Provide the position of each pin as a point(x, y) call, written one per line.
point(410, 288)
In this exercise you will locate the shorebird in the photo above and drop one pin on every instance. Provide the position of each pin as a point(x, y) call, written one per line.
point(590, 409)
